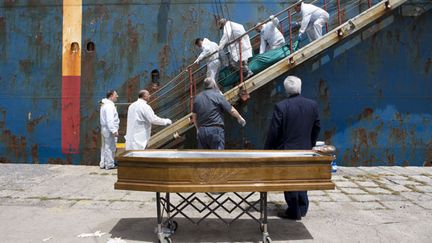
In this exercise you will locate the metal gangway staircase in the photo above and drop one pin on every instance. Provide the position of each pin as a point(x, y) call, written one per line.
point(175, 98)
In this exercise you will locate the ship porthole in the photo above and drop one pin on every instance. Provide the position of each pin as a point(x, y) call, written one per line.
point(90, 46)
point(74, 47)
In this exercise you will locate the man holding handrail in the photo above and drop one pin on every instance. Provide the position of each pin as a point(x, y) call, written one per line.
point(207, 116)
point(313, 20)
point(140, 118)
point(209, 52)
point(271, 37)
point(243, 50)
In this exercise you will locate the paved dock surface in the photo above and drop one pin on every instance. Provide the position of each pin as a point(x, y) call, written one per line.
point(56, 203)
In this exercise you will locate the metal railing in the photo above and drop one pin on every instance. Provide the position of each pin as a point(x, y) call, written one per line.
point(175, 98)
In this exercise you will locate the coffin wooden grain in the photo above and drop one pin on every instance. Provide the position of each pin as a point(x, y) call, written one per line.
point(223, 171)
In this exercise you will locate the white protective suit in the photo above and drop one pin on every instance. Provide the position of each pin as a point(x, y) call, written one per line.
point(313, 21)
point(139, 122)
point(231, 31)
point(213, 63)
point(271, 37)
point(109, 121)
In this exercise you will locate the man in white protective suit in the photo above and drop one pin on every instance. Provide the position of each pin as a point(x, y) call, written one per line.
point(209, 53)
point(110, 122)
point(140, 118)
point(271, 37)
point(313, 21)
point(232, 31)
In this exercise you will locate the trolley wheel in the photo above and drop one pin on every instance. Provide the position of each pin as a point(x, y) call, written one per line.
point(166, 240)
point(268, 239)
point(173, 225)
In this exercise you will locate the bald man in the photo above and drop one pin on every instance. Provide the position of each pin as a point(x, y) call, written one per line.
point(139, 122)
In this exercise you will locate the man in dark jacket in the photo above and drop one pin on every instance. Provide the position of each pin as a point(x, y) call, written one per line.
point(295, 125)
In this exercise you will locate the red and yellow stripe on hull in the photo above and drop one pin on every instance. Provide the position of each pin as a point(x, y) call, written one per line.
point(71, 75)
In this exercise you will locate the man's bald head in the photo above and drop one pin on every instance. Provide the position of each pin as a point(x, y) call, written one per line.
point(144, 94)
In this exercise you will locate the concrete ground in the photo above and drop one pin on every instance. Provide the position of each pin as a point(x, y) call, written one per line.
point(56, 203)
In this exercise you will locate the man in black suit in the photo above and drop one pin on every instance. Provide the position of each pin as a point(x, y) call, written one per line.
point(295, 125)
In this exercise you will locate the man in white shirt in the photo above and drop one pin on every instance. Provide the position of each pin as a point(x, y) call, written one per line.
point(209, 53)
point(232, 31)
point(109, 121)
point(313, 20)
point(140, 118)
point(271, 37)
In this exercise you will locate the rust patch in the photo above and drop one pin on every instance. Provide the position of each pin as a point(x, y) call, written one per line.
point(429, 151)
point(164, 59)
point(428, 65)
point(131, 88)
point(132, 36)
point(26, 66)
point(15, 145)
point(390, 158)
point(101, 11)
point(398, 135)
point(31, 124)
point(88, 79)
point(361, 136)
point(39, 40)
point(398, 117)
point(4, 160)
point(366, 113)
point(373, 138)
point(35, 153)
point(92, 147)
point(67, 161)
point(2, 118)
point(133, 45)
point(328, 134)
point(3, 38)
point(324, 97)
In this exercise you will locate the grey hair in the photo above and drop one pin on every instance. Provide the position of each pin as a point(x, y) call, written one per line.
point(292, 85)
point(209, 83)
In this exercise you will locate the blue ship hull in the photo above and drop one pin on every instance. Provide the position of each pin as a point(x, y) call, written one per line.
point(374, 89)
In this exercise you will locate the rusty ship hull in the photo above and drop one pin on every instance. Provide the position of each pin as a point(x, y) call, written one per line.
point(374, 89)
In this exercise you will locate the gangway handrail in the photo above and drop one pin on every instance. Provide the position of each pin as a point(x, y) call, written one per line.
point(190, 66)
point(334, 36)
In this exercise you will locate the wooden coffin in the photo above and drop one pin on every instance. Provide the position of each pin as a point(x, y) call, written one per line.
point(223, 171)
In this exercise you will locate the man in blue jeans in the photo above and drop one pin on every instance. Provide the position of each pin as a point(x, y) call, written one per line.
point(208, 108)
point(295, 125)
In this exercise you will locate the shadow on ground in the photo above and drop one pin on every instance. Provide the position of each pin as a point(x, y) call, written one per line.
point(211, 230)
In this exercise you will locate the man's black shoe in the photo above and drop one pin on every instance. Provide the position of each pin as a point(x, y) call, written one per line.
point(283, 215)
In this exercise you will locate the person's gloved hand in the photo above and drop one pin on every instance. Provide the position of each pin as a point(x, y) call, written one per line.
point(300, 37)
point(196, 61)
point(241, 121)
point(271, 17)
point(168, 122)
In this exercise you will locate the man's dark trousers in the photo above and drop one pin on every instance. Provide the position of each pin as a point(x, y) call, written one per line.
point(298, 204)
point(211, 138)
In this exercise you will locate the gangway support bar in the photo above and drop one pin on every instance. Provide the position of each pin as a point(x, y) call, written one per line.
point(312, 49)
